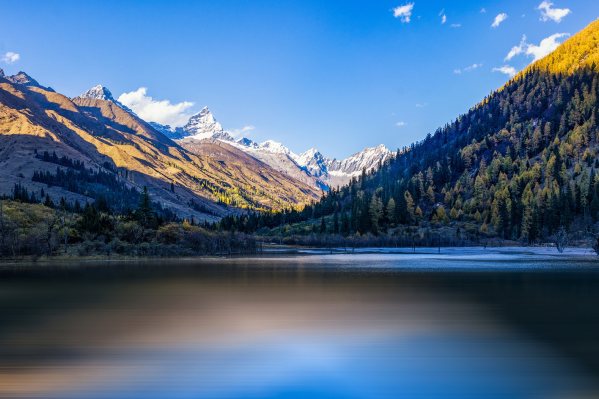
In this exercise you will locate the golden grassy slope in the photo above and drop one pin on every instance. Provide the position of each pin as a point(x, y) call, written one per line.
point(97, 131)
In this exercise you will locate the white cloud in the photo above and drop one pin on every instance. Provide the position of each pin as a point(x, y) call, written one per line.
point(483, 10)
point(547, 46)
point(444, 19)
point(517, 49)
point(499, 19)
point(455, 25)
point(150, 110)
point(555, 14)
point(508, 70)
point(457, 71)
point(405, 12)
point(240, 132)
point(472, 67)
point(400, 124)
point(442, 11)
point(421, 105)
point(11, 58)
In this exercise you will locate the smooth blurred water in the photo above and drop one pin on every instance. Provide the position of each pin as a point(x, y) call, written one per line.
point(462, 324)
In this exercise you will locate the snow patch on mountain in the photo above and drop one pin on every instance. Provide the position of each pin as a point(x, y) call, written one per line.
point(335, 172)
point(100, 92)
point(310, 167)
point(203, 126)
point(167, 130)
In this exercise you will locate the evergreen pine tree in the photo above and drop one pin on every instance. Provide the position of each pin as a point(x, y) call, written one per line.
point(336, 223)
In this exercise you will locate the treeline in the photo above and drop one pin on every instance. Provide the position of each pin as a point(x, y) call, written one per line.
point(105, 186)
point(32, 230)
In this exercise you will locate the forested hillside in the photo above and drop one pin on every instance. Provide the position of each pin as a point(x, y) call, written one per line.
point(518, 165)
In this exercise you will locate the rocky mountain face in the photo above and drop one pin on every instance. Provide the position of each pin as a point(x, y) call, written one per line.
point(203, 126)
point(100, 92)
point(167, 130)
point(23, 79)
point(335, 172)
point(200, 126)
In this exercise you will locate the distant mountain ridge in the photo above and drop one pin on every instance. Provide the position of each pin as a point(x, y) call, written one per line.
point(310, 167)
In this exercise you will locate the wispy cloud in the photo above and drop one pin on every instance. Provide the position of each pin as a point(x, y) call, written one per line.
point(444, 19)
point(472, 67)
point(400, 124)
point(499, 19)
point(403, 12)
point(517, 49)
point(421, 105)
point(240, 132)
point(546, 46)
point(150, 110)
point(508, 70)
point(556, 14)
point(10, 58)
point(468, 69)
point(455, 25)
point(483, 10)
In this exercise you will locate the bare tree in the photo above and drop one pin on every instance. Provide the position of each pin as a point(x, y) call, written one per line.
point(47, 232)
point(560, 238)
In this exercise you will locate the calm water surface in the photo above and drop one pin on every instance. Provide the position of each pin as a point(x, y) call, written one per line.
point(463, 324)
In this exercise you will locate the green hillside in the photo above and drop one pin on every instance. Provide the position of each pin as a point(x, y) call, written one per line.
point(519, 165)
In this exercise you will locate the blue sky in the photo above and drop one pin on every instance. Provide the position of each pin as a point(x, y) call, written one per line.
point(337, 76)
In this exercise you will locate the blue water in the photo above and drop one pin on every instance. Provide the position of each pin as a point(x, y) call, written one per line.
point(463, 324)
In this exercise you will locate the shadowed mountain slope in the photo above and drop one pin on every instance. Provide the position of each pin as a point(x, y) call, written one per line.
point(126, 150)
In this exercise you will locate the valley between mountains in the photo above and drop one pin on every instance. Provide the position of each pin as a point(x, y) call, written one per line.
point(92, 148)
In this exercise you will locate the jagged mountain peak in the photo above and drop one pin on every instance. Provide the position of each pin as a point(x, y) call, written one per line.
point(203, 126)
point(204, 111)
point(98, 92)
point(244, 141)
point(310, 152)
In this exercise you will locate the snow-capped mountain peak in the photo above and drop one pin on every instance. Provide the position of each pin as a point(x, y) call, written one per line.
point(203, 125)
point(245, 142)
point(100, 92)
point(277, 148)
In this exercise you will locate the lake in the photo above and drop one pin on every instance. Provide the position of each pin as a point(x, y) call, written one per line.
point(465, 323)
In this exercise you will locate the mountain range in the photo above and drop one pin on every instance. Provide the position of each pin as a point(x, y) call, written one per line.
point(310, 167)
point(92, 148)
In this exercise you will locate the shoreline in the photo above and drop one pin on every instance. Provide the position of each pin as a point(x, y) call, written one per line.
point(286, 251)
